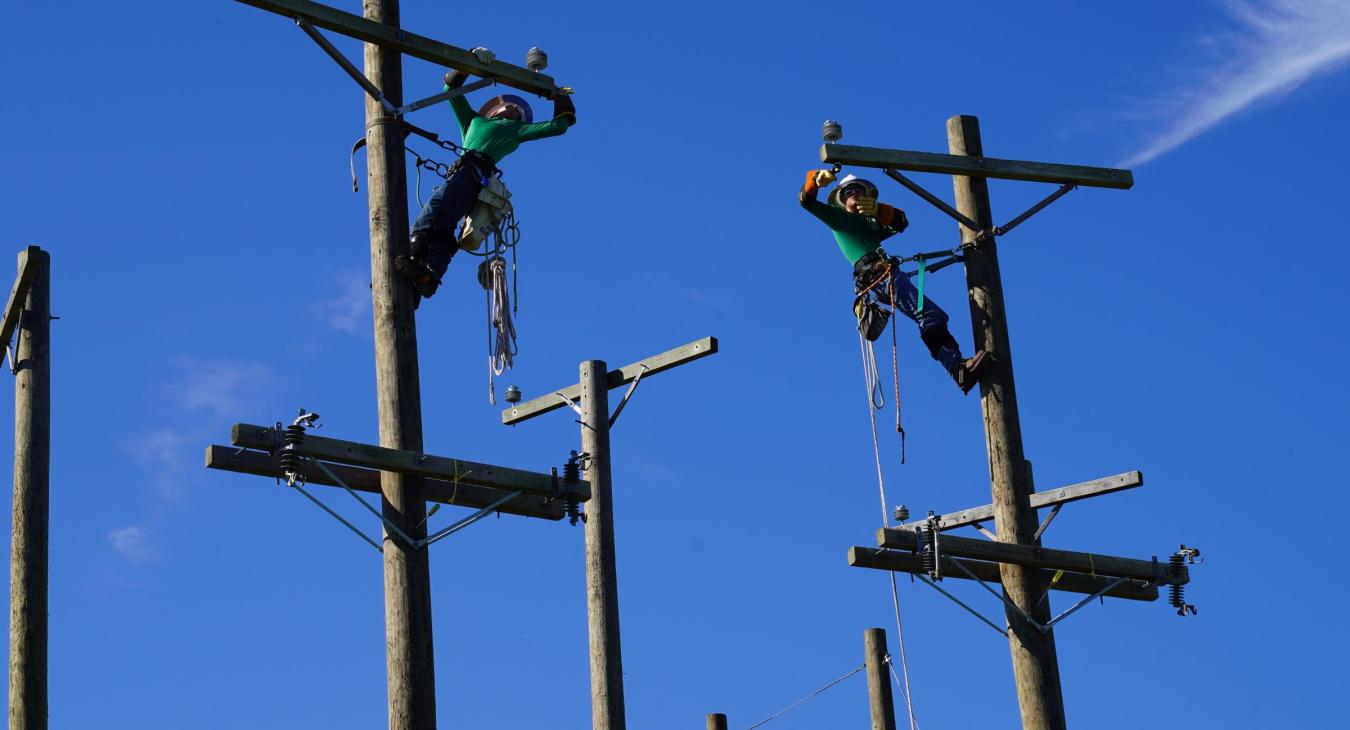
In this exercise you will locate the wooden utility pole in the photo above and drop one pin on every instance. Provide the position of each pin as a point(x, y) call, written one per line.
point(29, 312)
point(1014, 557)
point(407, 571)
point(717, 721)
point(879, 697)
point(602, 578)
point(590, 399)
point(1035, 667)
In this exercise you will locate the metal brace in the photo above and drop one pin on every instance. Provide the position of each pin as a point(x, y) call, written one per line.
point(1046, 522)
point(374, 90)
point(626, 396)
point(972, 226)
point(1043, 628)
point(12, 350)
point(393, 528)
point(463, 523)
point(568, 402)
point(415, 544)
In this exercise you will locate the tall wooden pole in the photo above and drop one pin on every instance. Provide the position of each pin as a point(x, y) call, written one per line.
point(717, 721)
point(879, 697)
point(407, 573)
point(28, 546)
point(602, 580)
point(1035, 666)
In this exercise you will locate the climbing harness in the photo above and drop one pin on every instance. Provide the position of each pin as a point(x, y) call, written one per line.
point(872, 320)
point(489, 230)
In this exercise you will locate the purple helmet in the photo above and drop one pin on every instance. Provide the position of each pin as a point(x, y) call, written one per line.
point(507, 100)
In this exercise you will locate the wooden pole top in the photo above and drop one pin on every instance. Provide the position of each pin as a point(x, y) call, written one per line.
point(409, 44)
point(976, 166)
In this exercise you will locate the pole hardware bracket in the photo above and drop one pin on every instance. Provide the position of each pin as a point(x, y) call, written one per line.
point(1178, 570)
point(373, 90)
point(627, 394)
point(566, 490)
point(293, 437)
point(12, 349)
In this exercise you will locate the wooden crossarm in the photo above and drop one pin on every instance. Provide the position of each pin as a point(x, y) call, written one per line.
point(864, 557)
point(615, 378)
point(405, 462)
point(19, 293)
point(261, 463)
point(409, 44)
point(1033, 556)
point(1048, 498)
point(1099, 177)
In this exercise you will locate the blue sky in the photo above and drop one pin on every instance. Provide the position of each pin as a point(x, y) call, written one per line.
point(186, 165)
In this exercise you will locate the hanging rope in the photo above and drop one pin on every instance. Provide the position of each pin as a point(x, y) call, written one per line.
point(866, 349)
point(501, 329)
point(813, 694)
point(895, 373)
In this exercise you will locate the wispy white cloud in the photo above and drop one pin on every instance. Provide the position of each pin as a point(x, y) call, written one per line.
point(347, 308)
point(166, 455)
point(133, 543)
point(1278, 45)
point(218, 387)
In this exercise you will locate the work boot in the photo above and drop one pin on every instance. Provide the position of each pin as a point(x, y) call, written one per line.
point(967, 374)
point(424, 280)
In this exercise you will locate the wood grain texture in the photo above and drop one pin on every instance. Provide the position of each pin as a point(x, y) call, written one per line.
point(28, 564)
point(397, 41)
point(18, 294)
point(879, 700)
point(602, 577)
point(261, 463)
point(905, 562)
point(443, 468)
point(1034, 556)
point(1035, 665)
point(671, 358)
point(409, 658)
point(976, 166)
point(1049, 498)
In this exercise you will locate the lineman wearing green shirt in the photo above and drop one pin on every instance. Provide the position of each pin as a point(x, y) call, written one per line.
point(492, 133)
point(860, 224)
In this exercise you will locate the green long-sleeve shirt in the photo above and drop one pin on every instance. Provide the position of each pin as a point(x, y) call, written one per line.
point(498, 138)
point(856, 234)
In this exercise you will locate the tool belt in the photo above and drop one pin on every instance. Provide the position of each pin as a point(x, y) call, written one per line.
point(478, 162)
point(870, 268)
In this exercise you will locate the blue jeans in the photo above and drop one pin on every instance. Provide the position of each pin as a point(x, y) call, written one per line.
point(449, 202)
point(932, 320)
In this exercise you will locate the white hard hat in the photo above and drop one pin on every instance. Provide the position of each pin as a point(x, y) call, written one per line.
point(869, 189)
